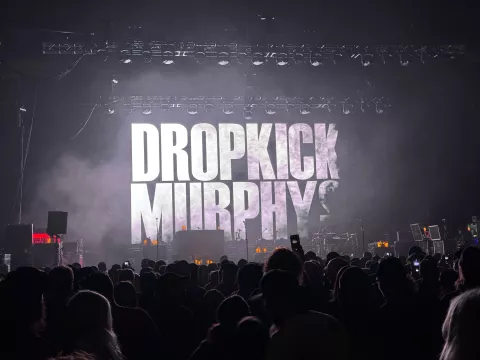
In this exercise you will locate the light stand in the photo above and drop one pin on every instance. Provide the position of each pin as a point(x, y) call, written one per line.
point(246, 238)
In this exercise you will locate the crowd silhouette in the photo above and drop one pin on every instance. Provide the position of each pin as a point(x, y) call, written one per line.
point(294, 306)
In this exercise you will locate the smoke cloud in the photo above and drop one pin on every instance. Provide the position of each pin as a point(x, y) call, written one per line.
point(92, 194)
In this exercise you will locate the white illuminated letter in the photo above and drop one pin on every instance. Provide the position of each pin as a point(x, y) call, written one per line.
point(302, 204)
point(281, 145)
point(152, 169)
point(277, 207)
point(212, 207)
point(296, 160)
point(180, 196)
point(240, 210)
point(257, 152)
point(210, 157)
point(325, 188)
point(169, 149)
point(228, 152)
point(160, 212)
point(196, 209)
point(326, 157)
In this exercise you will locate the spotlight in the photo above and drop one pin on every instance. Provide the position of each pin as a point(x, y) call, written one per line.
point(200, 57)
point(192, 109)
point(346, 111)
point(114, 80)
point(22, 109)
point(147, 57)
point(305, 110)
point(404, 63)
point(223, 59)
point(366, 63)
point(228, 109)
point(258, 59)
point(366, 60)
point(282, 59)
point(168, 62)
point(270, 109)
point(110, 111)
point(126, 60)
point(248, 114)
point(316, 60)
point(147, 111)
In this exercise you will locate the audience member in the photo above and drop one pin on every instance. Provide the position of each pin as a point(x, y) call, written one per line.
point(125, 294)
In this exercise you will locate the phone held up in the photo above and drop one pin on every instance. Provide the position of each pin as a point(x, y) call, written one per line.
point(295, 242)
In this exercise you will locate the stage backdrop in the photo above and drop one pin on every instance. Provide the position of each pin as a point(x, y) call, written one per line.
point(270, 179)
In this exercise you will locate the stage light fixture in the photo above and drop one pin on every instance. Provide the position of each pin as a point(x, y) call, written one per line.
point(200, 57)
point(228, 109)
point(404, 63)
point(298, 58)
point(126, 60)
point(147, 57)
point(223, 59)
point(192, 109)
point(258, 59)
point(168, 62)
point(247, 114)
point(270, 109)
point(114, 80)
point(110, 111)
point(22, 109)
point(147, 111)
point(305, 110)
point(282, 59)
point(316, 60)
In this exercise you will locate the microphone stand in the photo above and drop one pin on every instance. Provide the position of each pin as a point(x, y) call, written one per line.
point(157, 238)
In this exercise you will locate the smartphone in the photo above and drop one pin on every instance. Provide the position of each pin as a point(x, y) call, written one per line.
point(295, 242)
point(416, 265)
point(446, 257)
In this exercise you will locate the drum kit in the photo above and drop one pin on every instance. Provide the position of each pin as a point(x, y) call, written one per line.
point(325, 241)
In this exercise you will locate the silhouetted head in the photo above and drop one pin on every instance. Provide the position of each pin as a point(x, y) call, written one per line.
point(127, 275)
point(125, 294)
point(354, 287)
point(232, 310)
point(280, 293)
point(193, 273)
point(249, 277)
point(448, 278)
point(158, 264)
point(469, 268)
point(102, 267)
point(101, 284)
point(310, 255)
point(228, 272)
point(285, 259)
point(392, 278)
point(461, 327)
point(333, 267)
point(332, 255)
point(252, 338)
point(60, 282)
point(148, 282)
point(241, 263)
point(367, 255)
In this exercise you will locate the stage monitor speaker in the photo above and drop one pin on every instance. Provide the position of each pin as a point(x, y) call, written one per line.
point(18, 243)
point(199, 244)
point(57, 223)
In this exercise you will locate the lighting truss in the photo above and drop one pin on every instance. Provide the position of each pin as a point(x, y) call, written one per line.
point(237, 104)
point(257, 55)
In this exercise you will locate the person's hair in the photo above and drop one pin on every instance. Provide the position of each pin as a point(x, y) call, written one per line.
point(228, 272)
point(193, 273)
point(392, 278)
point(336, 285)
point(448, 277)
point(148, 282)
point(241, 263)
point(461, 327)
point(60, 281)
point(127, 275)
point(158, 264)
point(77, 355)
point(89, 321)
point(367, 255)
point(125, 294)
point(284, 259)
point(469, 268)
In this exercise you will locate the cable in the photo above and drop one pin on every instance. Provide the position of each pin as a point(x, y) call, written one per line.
point(31, 129)
point(85, 123)
point(69, 70)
